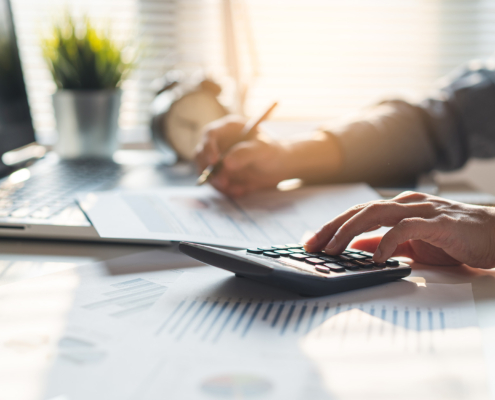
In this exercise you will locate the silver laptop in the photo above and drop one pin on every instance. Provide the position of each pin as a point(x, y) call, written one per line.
point(38, 201)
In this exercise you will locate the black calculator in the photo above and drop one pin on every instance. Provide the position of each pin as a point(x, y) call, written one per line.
point(290, 267)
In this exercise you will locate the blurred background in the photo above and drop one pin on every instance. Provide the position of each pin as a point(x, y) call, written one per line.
point(319, 58)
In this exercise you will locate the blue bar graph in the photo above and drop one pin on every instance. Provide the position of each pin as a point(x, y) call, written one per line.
point(227, 320)
point(217, 317)
point(312, 318)
point(182, 316)
point(213, 320)
point(176, 310)
point(191, 320)
point(287, 318)
point(241, 317)
point(277, 315)
point(267, 312)
point(256, 310)
point(325, 313)
point(301, 316)
point(198, 327)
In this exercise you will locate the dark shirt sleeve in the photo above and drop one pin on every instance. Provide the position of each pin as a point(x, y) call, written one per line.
point(394, 142)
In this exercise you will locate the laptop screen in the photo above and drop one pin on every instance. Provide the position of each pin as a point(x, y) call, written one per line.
point(16, 128)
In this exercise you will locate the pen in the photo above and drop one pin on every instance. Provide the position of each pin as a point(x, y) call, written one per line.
point(247, 133)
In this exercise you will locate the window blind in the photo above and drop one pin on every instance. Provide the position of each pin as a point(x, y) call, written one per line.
point(324, 58)
point(319, 58)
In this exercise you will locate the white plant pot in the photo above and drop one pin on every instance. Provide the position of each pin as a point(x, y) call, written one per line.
point(87, 122)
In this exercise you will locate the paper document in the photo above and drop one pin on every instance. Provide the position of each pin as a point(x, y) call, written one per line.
point(201, 214)
point(56, 330)
point(222, 337)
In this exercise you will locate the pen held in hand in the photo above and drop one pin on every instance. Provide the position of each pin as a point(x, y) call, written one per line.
point(247, 133)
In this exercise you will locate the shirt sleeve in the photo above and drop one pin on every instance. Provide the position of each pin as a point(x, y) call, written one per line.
point(395, 141)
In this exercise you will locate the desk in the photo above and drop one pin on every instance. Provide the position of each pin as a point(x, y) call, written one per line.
point(21, 259)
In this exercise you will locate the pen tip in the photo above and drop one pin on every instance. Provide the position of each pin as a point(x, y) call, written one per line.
point(202, 178)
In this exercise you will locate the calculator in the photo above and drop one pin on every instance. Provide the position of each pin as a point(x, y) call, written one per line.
point(290, 267)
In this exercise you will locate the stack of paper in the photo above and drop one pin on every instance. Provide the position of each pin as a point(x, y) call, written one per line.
point(56, 331)
point(88, 334)
point(215, 336)
point(200, 214)
point(112, 331)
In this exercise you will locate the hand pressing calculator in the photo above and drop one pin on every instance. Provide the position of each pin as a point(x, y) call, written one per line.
point(291, 267)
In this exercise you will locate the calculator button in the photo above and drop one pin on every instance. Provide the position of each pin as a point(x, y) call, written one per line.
point(392, 263)
point(297, 256)
point(351, 251)
point(255, 251)
point(334, 267)
point(265, 248)
point(271, 254)
point(318, 254)
point(370, 260)
point(343, 257)
point(279, 246)
point(300, 251)
point(293, 246)
point(365, 263)
point(367, 253)
point(357, 256)
point(321, 268)
point(283, 253)
point(314, 261)
point(349, 265)
point(330, 258)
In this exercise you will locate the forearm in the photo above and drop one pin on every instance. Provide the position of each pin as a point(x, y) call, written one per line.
point(314, 160)
point(385, 145)
point(388, 144)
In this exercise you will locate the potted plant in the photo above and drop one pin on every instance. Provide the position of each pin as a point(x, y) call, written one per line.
point(88, 68)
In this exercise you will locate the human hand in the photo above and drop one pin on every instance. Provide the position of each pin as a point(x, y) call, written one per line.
point(247, 166)
point(427, 229)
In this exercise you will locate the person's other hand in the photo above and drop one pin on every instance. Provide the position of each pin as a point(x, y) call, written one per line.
point(247, 166)
point(427, 229)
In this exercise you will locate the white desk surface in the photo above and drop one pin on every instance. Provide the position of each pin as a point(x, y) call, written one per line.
point(21, 259)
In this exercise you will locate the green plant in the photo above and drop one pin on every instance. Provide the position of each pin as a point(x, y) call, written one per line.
point(82, 58)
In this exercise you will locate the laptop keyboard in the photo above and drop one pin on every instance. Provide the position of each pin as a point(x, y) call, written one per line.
point(48, 191)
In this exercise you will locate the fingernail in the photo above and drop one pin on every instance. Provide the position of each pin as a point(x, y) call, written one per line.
point(330, 246)
point(377, 254)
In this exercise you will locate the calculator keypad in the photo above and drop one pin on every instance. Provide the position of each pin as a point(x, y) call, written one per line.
point(283, 253)
point(349, 260)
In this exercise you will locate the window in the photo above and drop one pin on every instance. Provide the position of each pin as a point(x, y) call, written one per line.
point(319, 58)
point(323, 58)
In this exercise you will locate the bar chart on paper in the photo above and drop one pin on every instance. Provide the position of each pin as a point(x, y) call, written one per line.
point(211, 321)
point(128, 297)
point(220, 320)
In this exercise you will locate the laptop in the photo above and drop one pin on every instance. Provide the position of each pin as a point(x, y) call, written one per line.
point(38, 201)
